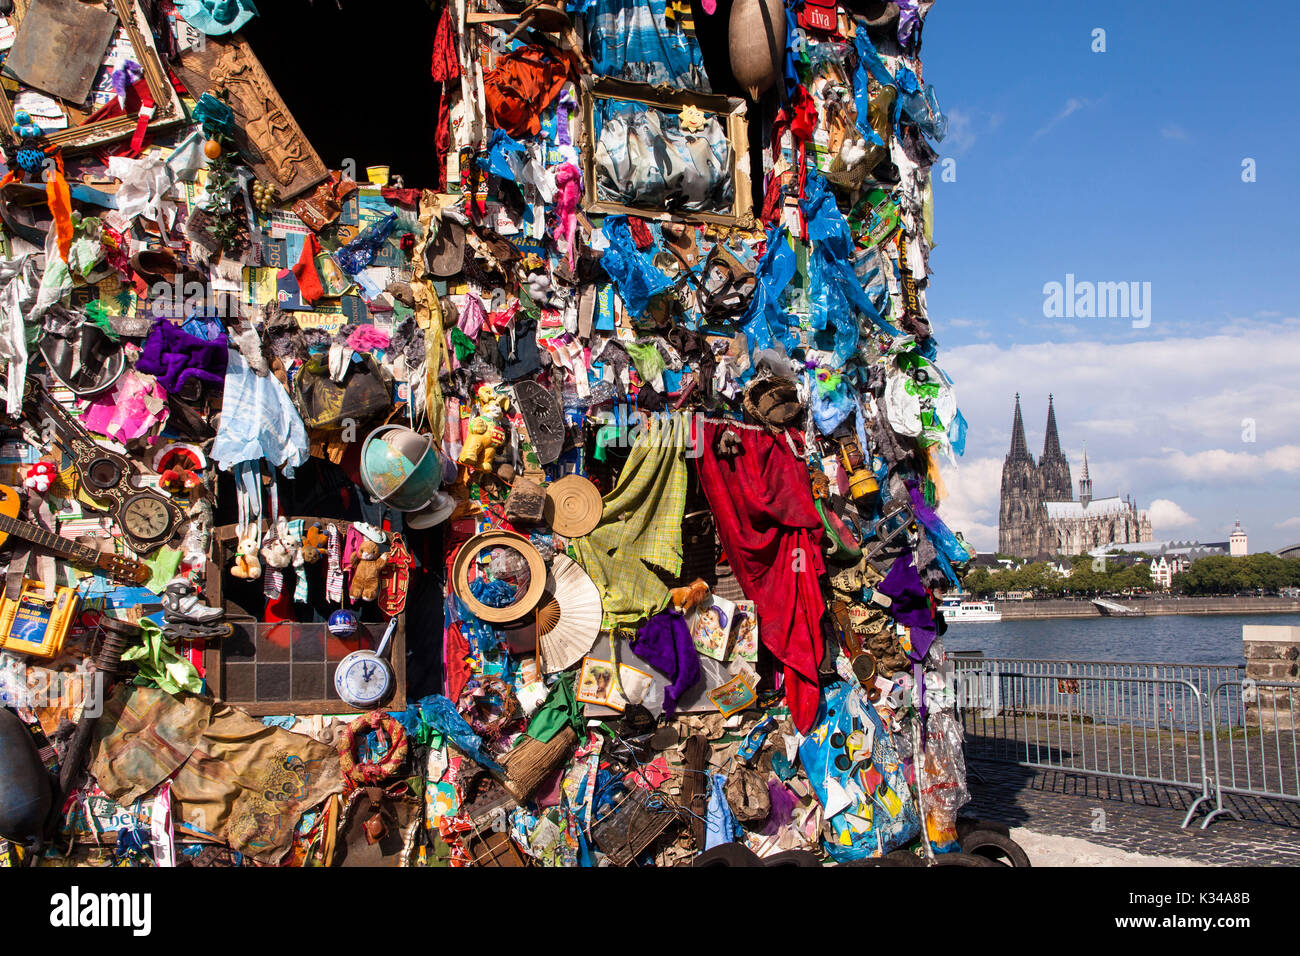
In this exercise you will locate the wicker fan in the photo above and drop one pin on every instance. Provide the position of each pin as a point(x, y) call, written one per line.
point(568, 618)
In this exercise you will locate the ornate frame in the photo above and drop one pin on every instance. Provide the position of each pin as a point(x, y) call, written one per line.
point(731, 108)
point(167, 104)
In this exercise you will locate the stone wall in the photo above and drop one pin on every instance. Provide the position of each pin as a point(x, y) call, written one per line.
point(1031, 610)
point(1272, 654)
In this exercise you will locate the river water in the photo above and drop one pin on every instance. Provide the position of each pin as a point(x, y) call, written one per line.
point(1174, 639)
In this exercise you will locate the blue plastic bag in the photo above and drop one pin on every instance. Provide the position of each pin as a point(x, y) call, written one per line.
point(855, 771)
point(766, 322)
point(635, 278)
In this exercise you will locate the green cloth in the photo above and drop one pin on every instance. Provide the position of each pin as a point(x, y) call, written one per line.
point(647, 358)
point(641, 528)
point(159, 664)
point(162, 565)
point(463, 344)
point(561, 709)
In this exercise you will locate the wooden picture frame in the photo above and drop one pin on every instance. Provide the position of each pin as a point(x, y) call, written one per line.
point(168, 110)
point(736, 125)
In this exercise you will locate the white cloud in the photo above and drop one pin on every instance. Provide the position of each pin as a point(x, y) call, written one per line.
point(1111, 426)
point(1218, 464)
point(961, 134)
point(1289, 523)
point(1173, 131)
point(1166, 515)
point(1163, 420)
point(1072, 106)
point(971, 507)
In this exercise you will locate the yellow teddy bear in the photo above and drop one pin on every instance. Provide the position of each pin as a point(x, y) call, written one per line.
point(486, 429)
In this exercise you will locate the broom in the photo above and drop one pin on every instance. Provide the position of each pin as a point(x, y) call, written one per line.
point(530, 762)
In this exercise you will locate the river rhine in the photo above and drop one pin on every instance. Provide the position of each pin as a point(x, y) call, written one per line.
point(1174, 639)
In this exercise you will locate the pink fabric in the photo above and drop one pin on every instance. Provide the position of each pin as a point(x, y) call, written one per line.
point(772, 535)
point(367, 338)
point(472, 317)
point(130, 409)
point(568, 185)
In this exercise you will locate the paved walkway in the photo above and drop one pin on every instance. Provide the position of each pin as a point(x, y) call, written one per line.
point(1137, 818)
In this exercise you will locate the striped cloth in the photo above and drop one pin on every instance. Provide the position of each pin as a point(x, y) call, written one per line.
point(635, 40)
point(641, 528)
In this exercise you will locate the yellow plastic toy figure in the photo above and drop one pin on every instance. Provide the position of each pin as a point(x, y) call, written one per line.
point(486, 429)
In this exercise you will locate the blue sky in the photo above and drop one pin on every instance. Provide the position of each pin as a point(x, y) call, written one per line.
point(1125, 166)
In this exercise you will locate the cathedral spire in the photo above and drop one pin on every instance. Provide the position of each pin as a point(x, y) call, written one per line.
point(1052, 442)
point(1019, 449)
point(1085, 481)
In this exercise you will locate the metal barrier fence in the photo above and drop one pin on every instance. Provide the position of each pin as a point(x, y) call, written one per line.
point(1204, 677)
point(1195, 726)
point(1259, 758)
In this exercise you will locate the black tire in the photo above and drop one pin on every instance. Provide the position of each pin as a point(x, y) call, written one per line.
point(892, 858)
point(990, 845)
point(962, 859)
point(727, 854)
point(967, 825)
point(790, 858)
point(901, 858)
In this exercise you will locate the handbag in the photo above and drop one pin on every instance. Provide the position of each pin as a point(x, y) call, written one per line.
point(326, 404)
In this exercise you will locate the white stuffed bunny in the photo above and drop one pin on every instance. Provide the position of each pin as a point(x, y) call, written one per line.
point(275, 551)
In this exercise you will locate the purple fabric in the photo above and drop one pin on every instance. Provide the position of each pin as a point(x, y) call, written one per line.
point(664, 642)
point(909, 20)
point(783, 804)
point(174, 357)
point(923, 512)
point(911, 605)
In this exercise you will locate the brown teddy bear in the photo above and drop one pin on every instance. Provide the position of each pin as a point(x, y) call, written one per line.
point(367, 562)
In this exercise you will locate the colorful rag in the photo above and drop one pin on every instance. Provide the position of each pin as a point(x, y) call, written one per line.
point(523, 84)
point(641, 528)
point(762, 501)
point(233, 777)
point(634, 40)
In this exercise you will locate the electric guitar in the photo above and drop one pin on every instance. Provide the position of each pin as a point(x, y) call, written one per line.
point(123, 570)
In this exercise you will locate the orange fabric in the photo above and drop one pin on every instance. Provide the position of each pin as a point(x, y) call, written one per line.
point(523, 84)
point(59, 199)
point(304, 271)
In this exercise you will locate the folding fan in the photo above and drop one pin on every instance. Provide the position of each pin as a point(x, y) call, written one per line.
point(568, 617)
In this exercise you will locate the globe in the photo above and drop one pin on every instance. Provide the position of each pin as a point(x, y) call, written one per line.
point(400, 467)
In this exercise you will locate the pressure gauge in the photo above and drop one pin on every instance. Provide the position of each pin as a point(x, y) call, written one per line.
point(363, 678)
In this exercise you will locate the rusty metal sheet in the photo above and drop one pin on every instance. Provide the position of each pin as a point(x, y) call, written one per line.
point(60, 46)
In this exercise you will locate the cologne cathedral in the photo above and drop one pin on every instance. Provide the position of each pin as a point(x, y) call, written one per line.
point(1040, 516)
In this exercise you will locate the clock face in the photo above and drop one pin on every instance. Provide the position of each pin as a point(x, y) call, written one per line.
point(363, 678)
point(146, 518)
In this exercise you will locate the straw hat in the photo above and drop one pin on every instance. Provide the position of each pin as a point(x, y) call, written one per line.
point(573, 506)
